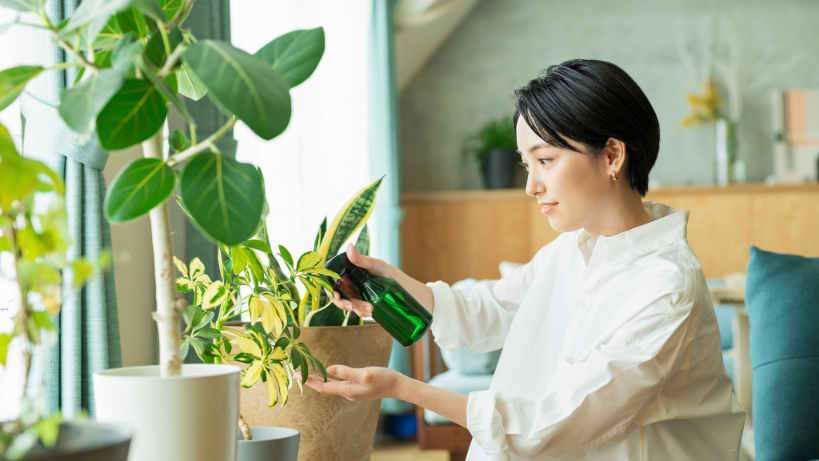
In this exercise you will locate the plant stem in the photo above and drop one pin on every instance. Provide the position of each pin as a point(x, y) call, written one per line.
point(172, 60)
point(180, 15)
point(202, 146)
point(20, 318)
point(168, 307)
point(245, 428)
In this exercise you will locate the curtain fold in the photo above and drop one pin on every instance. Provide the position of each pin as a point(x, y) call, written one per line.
point(384, 161)
point(88, 339)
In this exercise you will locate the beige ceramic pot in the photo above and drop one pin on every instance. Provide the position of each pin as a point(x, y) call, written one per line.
point(331, 427)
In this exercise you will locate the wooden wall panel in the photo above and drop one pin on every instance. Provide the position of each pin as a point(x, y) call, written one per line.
point(451, 241)
point(451, 236)
point(786, 222)
point(718, 229)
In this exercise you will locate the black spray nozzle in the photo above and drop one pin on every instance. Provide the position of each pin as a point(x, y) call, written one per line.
point(342, 266)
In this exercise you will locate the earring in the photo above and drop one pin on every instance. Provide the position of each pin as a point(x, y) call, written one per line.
point(614, 175)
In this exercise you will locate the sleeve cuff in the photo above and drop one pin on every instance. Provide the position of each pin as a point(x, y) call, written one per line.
point(444, 321)
point(485, 423)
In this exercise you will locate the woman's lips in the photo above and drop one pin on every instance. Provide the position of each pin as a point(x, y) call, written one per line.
point(546, 208)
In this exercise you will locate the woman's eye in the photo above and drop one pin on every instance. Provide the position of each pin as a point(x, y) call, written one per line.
point(544, 161)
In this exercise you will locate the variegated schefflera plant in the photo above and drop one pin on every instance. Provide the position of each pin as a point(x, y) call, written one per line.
point(34, 235)
point(251, 281)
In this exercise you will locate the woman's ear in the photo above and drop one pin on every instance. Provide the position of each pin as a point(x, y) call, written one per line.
point(615, 152)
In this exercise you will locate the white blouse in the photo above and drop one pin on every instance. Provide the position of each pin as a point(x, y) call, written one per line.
point(611, 351)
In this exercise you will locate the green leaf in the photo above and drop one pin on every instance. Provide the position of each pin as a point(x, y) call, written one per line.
point(189, 85)
point(170, 7)
point(257, 245)
point(295, 55)
point(109, 35)
point(242, 84)
point(239, 257)
point(255, 265)
point(155, 50)
point(138, 188)
point(151, 8)
point(5, 244)
point(13, 81)
point(132, 20)
point(166, 92)
point(252, 374)
point(244, 357)
point(21, 5)
point(126, 53)
point(320, 235)
point(183, 285)
point(5, 339)
point(286, 255)
point(206, 319)
point(362, 244)
point(352, 216)
point(210, 333)
point(223, 196)
point(83, 270)
point(185, 348)
point(180, 266)
point(43, 320)
point(308, 260)
point(133, 115)
point(80, 105)
point(178, 140)
point(198, 345)
point(172, 83)
point(214, 296)
point(197, 269)
point(92, 10)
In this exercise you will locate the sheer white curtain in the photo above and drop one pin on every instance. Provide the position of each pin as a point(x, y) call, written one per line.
point(322, 159)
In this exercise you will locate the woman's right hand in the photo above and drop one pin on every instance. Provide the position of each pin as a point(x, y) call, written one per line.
point(376, 267)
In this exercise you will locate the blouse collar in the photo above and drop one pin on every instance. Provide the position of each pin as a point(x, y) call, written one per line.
point(667, 227)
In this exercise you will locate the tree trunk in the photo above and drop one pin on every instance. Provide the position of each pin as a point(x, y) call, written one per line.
point(168, 307)
point(244, 428)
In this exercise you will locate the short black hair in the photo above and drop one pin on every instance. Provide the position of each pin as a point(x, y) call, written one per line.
point(589, 102)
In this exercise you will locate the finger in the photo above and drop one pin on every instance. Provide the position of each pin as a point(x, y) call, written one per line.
point(345, 372)
point(357, 258)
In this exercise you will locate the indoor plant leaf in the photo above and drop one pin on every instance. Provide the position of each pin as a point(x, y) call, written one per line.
point(109, 35)
point(151, 8)
point(352, 216)
point(178, 140)
point(242, 84)
point(92, 10)
point(189, 85)
point(80, 105)
point(138, 188)
point(13, 81)
point(271, 389)
point(155, 49)
point(170, 7)
point(248, 346)
point(295, 55)
point(132, 20)
point(308, 260)
point(21, 5)
point(133, 115)
point(257, 245)
point(214, 296)
point(362, 244)
point(223, 196)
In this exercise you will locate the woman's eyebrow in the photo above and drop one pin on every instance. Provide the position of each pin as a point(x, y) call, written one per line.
point(535, 147)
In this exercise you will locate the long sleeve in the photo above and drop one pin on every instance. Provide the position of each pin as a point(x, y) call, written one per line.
point(592, 402)
point(481, 320)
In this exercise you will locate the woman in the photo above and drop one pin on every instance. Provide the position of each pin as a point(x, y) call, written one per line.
point(611, 349)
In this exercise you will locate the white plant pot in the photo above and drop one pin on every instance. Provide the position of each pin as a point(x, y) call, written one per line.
point(191, 417)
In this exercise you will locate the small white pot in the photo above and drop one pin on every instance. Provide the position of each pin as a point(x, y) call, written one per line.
point(191, 417)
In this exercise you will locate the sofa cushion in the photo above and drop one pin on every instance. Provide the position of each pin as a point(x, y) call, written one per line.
point(782, 298)
point(456, 382)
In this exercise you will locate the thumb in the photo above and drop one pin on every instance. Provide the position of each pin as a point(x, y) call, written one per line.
point(357, 258)
point(343, 372)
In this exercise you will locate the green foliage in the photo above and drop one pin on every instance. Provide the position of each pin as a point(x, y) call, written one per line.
point(138, 188)
point(80, 104)
point(135, 113)
point(13, 81)
point(295, 55)
point(242, 84)
point(222, 196)
point(494, 134)
point(36, 238)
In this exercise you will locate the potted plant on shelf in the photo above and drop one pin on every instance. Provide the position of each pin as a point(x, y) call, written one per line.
point(135, 59)
point(252, 281)
point(493, 147)
point(36, 238)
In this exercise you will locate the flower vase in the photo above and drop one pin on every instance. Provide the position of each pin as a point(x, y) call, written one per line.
point(727, 147)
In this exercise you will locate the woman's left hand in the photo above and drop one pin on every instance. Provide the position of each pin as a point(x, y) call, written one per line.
point(359, 383)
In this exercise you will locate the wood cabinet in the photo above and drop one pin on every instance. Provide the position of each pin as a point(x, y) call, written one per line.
point(451, 236)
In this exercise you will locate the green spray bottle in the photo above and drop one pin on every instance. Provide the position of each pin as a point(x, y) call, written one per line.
point(393, 308)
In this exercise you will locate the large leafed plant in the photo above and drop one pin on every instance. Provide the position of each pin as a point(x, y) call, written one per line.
point(135, 59)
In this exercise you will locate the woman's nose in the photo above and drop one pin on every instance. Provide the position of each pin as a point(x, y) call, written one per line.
point(534, 186)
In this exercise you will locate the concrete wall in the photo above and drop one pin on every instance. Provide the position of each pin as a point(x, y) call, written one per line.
point(504, 43)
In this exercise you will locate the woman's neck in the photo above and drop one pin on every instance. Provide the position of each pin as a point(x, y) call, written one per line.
point(620, 216)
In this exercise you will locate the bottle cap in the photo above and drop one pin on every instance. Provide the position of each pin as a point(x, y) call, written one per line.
point(342, 266)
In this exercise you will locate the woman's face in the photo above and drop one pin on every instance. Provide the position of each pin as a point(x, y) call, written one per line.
point(570, 186)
